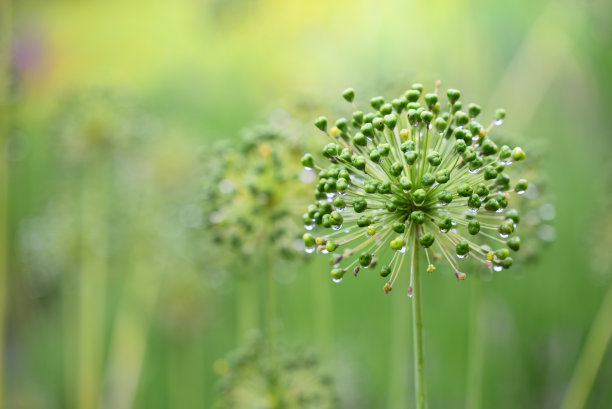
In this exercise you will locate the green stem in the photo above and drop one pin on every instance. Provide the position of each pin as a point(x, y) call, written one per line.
point(476, 348)
point(5, 47)
point(590, 359)
point(417, 330)
point(399, 355)
point(322, 304)
point(247, 305)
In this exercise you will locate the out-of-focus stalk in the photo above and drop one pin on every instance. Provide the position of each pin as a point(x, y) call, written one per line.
point(476, 347)
point(92, 282)
point(592, 355)
point(5, 63)
point(399, 356)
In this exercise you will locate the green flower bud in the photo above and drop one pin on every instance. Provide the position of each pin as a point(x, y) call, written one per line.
point(445, 224)
point(390, 121)
point(514, 243)
point(312, 209)
point(321, 123)
point(434, 159)
point(358, 117)
point(481, 190)
point(391, 206)
point(405, 183)
point(503, 180)
point(384, 149)
point(326, 221)
point(412, 95)
point(453, 95)
point(397, 243)
point(461, 118)
point(418, 216)
point(474, 110)
point(341, 185)
point(460, 146)
point(462, 248)
point(465, 190)
point(492, 205)
point(428, 179)
point(474, 202)
point(360, 205)
point(476, 163)
point(346, 155)
point(431, 100)
point(490, 173)
point(325, 207)
point(370, 187)
point(378, 124)
point(397, 168)
point(338, 201)
point(377, 102)
point(358, 162)
point(365, 259)
point(518, 154)
point(473, 227)
point(502, 253)
point(399, 104)
point(488, 147)
point(500, 114)
point(426, 240)
point(385, 271)
point(506, 263)
point(336, 218)
point(384, 188)
point(367, 129)
point(440, 124)
point(521, 186)
point(445, 197)
point(442, 176)
point(337, 273)
point(331, 246)
point(349, 94)
point(364, 221)
point(419, 196)
point(469, 154)
point(399, 227)
point(342, 124)
point(407, 146)
point(309, 240)
point(370, 230)
point(456, 107)
point(411, 157)
point(386, 109)
point(426, 116)
point(375, 156)
point(513, 215)
point(330, 150)
point(307, 160)
point(369, 117)
point(506, 228)
point(417, 86)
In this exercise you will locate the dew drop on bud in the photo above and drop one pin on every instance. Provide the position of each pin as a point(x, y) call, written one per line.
point(309, 250)
point(410, 292)
point(309, 226)
point(336, 280)
point(497, 268)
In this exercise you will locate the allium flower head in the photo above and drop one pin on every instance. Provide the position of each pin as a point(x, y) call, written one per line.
point(254, 193)
point(266, 375)
point(416, 174)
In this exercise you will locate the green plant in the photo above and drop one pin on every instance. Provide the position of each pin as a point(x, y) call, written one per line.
point(413, 178)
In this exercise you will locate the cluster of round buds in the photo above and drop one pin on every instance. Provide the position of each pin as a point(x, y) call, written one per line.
point(253, 193)
point(413, 176)
point(264, 375)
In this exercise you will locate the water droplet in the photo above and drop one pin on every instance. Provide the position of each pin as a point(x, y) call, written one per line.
point(474, 171)
point(309, 250)
point(330, 195)
point(336, 280)
point(324, 250)
point(410, 292)
point(462, 256)
point(546, 232)
point(340, 209)
point(473, 210)
point(347, 231)
point(307, 175)
point(498, 122)
point(497, 268)
point(334, 227)
point(520, 192)
point(503, 236)
point(309, 226)
point(547, 211)
point(499, 210)
point(403, 250)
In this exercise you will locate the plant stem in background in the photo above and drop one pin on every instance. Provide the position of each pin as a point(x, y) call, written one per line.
point(322, 304)
point(399, 356)
point(417, 328)
point(476, 347)
point(131, 325)
point(247, 306)
point(92, 283)
point(590, 359)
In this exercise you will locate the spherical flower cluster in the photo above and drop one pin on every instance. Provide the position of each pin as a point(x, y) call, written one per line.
point(414, 176)
point(254, 193)
point(263, 375)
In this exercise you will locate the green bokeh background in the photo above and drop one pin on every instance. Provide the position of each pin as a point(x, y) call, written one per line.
point(198, 71)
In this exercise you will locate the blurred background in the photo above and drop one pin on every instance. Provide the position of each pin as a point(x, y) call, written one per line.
point(111, 295)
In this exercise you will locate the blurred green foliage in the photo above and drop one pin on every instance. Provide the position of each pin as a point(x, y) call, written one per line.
point(112, 297)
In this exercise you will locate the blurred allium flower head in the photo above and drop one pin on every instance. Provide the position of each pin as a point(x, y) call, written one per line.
point(254, 193)
point(414, 175)
point(264, 375)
